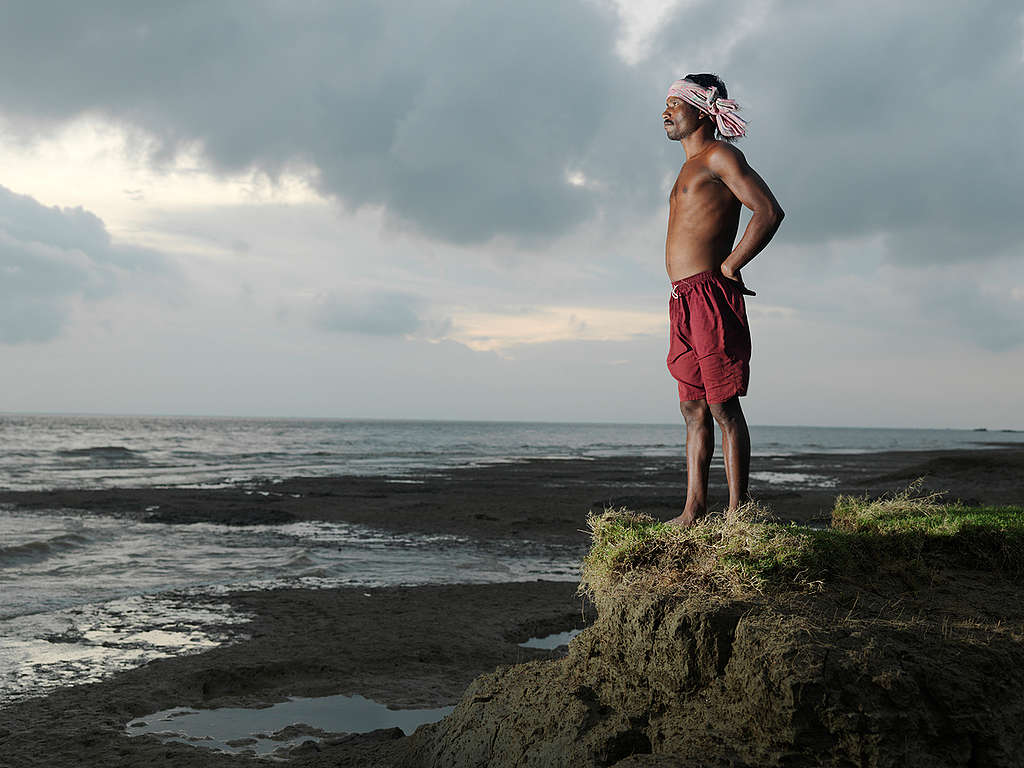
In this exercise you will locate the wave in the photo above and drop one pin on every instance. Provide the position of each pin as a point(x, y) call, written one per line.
point(34, 551)
point(106, 452)
point(301, 560)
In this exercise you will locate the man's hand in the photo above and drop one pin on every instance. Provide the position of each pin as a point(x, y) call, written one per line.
point(735, 277)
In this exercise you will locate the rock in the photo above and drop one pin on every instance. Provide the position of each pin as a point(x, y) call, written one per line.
point(308, 747)
point(369, 737)
point(242, 742)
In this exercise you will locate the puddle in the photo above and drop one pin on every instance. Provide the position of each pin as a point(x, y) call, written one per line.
point(272, 731)
point(795, 479)
point(551, 642)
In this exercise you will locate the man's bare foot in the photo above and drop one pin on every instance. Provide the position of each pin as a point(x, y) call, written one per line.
point(684, 520)
point(734, 505)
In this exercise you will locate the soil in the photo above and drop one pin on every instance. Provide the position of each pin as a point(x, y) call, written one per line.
point(898, 675)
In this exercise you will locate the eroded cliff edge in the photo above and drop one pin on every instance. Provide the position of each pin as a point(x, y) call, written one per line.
point(893, 638)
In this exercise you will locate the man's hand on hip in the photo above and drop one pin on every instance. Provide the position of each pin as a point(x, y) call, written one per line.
point(735, 277)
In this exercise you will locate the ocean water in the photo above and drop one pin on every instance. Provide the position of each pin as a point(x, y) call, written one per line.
point(121, 451)
point(83, 596)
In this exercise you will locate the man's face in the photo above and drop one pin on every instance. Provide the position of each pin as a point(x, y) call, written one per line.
point(680, 118)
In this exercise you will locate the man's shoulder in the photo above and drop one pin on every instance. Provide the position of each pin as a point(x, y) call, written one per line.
point(723, 149)
point(723, 156)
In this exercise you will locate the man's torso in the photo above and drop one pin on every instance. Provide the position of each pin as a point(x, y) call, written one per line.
point(703, 220)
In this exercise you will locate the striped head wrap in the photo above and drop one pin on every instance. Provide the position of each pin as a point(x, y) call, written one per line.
point(707, 101)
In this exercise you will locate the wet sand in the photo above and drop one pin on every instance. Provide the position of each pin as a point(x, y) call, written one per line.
point(419, 646)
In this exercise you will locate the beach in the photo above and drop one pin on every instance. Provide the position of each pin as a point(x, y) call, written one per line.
point(412, 647)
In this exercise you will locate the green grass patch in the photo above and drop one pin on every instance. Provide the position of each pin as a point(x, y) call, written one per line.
point(741, 553)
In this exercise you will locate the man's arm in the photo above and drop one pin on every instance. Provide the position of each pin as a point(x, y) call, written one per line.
point(730, 166)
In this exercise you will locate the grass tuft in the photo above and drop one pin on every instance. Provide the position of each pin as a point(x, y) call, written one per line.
point(742, 553)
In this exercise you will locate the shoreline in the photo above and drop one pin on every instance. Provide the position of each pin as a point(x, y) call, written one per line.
point(549, 499)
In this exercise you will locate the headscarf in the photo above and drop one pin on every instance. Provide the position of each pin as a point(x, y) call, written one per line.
point(708, 101)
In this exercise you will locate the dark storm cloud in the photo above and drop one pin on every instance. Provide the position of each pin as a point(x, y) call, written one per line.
point(48, 258)
point(899, 118)
point(461, 118)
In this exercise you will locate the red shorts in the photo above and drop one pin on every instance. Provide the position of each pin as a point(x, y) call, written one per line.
point(709, 339)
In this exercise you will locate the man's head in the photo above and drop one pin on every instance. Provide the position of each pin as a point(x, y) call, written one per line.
point(707, 80)
point(686, 112)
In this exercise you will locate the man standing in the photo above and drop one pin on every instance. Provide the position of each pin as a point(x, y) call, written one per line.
point(709, 348)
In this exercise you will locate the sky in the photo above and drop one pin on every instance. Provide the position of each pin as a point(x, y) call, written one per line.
point(457, 210)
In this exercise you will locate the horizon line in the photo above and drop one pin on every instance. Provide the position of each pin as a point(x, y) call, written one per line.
point(392, 419)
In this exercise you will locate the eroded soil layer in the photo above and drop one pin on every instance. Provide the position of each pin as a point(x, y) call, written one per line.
point(898, 675)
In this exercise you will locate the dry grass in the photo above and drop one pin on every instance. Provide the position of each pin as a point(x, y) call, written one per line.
point(728, 554)
point(741, 553)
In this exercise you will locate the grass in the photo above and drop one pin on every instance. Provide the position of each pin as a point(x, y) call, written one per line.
point(741, 553)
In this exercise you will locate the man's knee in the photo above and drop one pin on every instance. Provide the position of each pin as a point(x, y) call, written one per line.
point(728, 413)
point(694, 411)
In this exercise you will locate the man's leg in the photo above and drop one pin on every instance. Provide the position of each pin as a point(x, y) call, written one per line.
point(700, 445)
point(735, 448)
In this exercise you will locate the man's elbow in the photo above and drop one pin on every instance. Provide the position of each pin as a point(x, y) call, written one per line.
point(770, 216)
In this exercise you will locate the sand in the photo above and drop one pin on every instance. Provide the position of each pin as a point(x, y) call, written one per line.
point(409, 647)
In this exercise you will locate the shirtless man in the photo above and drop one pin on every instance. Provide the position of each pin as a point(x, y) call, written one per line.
point(709, 349)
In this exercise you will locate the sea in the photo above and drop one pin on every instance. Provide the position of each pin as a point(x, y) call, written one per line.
point(83, 595)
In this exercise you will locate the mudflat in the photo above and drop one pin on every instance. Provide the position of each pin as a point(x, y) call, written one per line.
point(414, 647)
point(549, 499)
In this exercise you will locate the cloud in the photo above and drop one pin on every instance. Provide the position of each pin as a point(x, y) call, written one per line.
point(463, 119)
point(978, 305)
point(51, 257)
point(875, 117)
point(853, 289)
point(469, 120)
point(886, 130)
point(377, 313)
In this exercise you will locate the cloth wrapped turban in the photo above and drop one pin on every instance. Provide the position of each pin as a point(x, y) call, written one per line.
point(708, 101)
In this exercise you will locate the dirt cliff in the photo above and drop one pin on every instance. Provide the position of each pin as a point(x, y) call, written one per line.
point(910, 662)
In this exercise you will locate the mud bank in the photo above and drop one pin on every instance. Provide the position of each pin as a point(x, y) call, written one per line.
point(784, 659)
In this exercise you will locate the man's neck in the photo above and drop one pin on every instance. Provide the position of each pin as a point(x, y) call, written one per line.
point(698, 141)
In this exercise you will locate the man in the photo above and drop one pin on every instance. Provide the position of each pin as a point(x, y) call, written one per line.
point(709, 348)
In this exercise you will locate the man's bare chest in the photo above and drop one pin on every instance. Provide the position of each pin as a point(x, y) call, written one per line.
point(695, 183)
